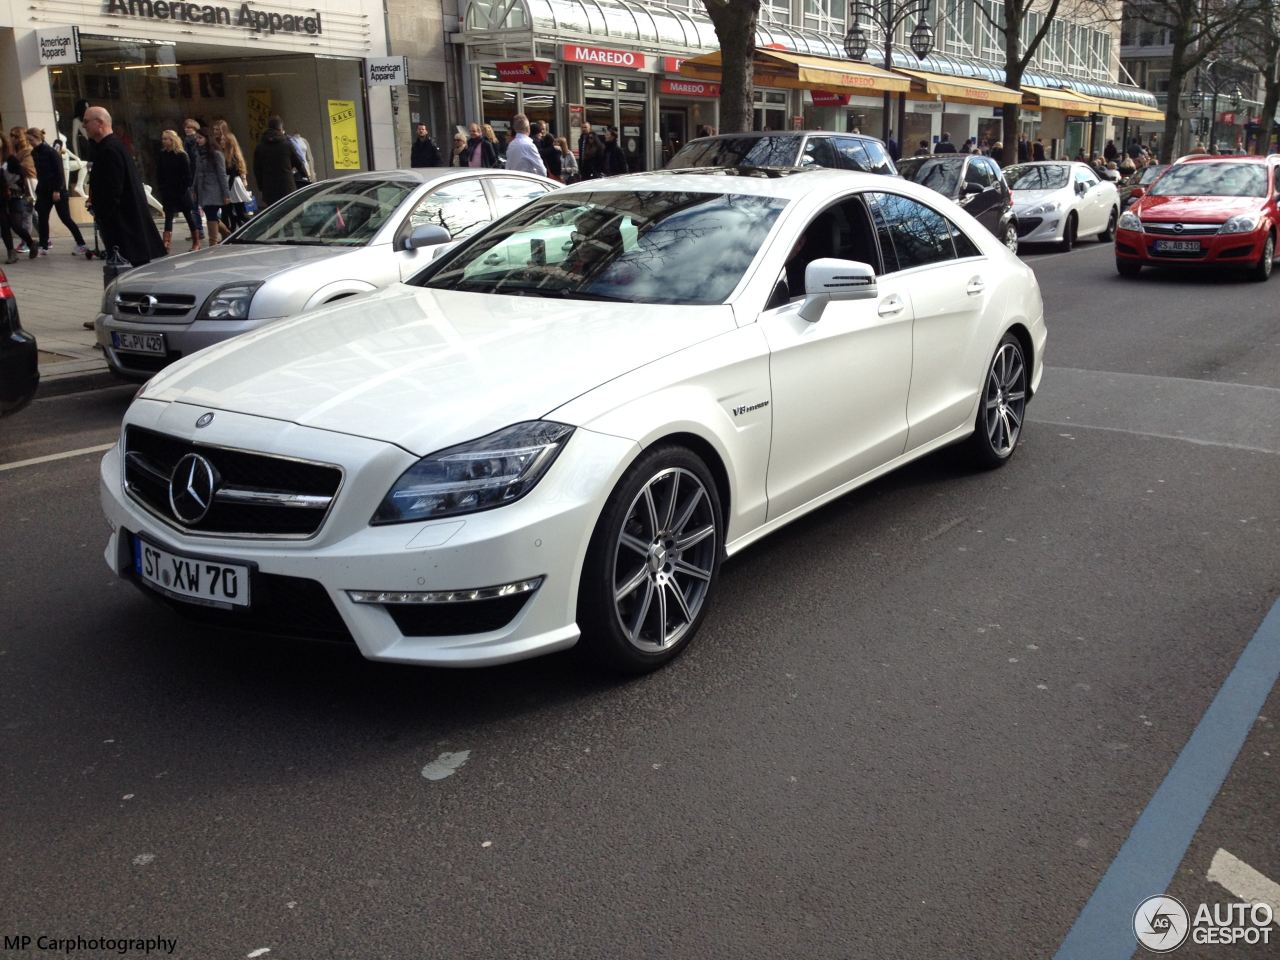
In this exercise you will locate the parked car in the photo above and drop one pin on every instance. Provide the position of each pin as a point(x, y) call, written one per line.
point(1058, 201)
point(517, 450)
point(331, 240)
point(1142, 178)
point(1210, 211)
point(19, 359)
point(798, 148)
point(973, 181)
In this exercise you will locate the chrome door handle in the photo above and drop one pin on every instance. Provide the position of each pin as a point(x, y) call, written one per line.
point(975, 287)
point(890, 306)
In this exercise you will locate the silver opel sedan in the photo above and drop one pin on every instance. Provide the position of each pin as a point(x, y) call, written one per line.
point(331, 240)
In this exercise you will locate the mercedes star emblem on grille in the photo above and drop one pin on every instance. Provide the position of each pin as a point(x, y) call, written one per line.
point(191, 488)
point(205, 420)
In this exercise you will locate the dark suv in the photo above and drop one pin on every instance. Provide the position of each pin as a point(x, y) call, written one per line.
point(798, 148)
point(973, 181)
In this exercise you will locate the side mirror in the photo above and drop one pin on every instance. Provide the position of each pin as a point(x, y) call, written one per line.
point(1137, 193)
point(426, 235)
point(972, 189)
point(830, 279)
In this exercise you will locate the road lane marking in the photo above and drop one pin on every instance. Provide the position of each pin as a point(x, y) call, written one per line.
point(1243, 882)
point(65, 455)
point(1159, 840)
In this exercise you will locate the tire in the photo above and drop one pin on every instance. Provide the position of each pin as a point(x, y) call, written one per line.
point(653, 562)
point(1069, 233)
point(1109, 234)
point(1262, 272)
point(1010, 237)
point(1002, 405)
point(1127, 268)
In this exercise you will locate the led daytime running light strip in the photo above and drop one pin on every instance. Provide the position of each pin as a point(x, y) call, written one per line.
point(446, 596)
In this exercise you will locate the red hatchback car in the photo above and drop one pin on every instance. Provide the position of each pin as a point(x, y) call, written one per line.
point(1204, 211)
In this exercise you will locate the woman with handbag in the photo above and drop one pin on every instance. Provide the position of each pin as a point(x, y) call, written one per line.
point(173, 173)
point(211, 183)
point(12, 183)
point(234, 213)
point(20, 150)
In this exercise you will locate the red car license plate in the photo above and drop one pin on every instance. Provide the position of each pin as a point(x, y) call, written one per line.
point(1177, 246)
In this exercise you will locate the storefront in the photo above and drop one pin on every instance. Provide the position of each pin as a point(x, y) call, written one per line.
point(686, 109)
point(154, 63)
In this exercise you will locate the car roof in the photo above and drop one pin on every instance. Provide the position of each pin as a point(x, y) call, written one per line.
point(786, 133)
point(785, 183)
point(433, 174)
point(945, 157)
point(1225, 158)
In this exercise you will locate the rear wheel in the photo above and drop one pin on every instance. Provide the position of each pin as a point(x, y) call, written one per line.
point(1262, 272)
point(1127, 268)
point(1109, 234)
point(1010, 236)
point(1069, 233)
point(1003, 405)
point(653, 562)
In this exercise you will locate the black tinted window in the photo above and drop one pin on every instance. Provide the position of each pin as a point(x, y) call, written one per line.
point(964, 246)
point(877, 157)
point(773, 151)
point(978, 173)
point(920, 235)
point(820, 151)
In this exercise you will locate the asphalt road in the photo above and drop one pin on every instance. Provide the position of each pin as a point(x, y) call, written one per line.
point(920, 723)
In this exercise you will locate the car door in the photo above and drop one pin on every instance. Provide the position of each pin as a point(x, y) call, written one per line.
point(839, 385)
point(951, 288)
point(983, 205)
point(460, 206)
point(1092, 208)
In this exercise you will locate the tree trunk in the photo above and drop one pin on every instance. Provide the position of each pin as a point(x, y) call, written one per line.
point(1012, 80)
point(1270, 101)
point(735, 25)
point(1172, 109)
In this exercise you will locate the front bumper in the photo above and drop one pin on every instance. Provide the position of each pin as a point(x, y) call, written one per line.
point(180, 339)
point(294, 582)
point(1233, 249)
point(1042, 229)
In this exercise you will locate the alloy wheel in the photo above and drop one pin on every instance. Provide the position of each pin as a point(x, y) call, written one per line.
point(1005, 399)
point(664, 559)
point(1011, 237)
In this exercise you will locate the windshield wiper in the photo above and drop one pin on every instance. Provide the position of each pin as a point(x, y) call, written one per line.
point(302, 243)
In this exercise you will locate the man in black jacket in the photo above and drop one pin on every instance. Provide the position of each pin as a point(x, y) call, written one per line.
point(274, 163)
point(424, 152)
point(118, 198)
point(945, 145)
point(51, 191)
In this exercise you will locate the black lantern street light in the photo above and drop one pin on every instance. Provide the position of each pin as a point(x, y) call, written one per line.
point(889, 15)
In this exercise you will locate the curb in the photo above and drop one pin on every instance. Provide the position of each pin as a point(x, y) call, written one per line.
point(61, 384)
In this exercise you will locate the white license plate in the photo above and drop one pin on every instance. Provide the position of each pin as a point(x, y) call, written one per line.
point(1178, 246)
point(189, 578)
point(138, 342)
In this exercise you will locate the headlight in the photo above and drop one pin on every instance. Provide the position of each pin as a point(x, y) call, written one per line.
point(1130, 221)
point(230, 302)
point(1044, 208)
point(477, 475)
point(1245, 223)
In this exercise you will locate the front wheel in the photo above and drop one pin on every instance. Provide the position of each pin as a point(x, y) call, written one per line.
point(653, 562)
point(1109, 234)
point(1003, 405)
point(1262, 272)
point(1069, 233)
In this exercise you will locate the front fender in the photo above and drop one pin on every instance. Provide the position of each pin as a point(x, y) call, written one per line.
point(336, 290)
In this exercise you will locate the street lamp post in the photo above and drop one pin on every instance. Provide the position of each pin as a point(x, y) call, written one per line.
point(889, 16)
point(1217, 85)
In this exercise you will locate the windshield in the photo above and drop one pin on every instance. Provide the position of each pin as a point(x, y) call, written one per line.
point(638, 247)
point(1212, 180)
point(779, 151)
point(940, 175)
point(1150, 173)
point(1048, 177)
point(334, 213)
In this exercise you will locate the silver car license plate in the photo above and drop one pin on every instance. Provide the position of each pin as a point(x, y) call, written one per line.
point(138, 342)
point(210, 582)
point(1177, 246)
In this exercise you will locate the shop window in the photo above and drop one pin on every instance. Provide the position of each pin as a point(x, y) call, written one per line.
point(460, 207)
point(632, 86)
point(597, 83)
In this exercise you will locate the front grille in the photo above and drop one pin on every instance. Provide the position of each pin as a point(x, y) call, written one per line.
point(1187, 229)
point(136, 304)
point(1028, 224)
point(256, 495)
point(456, 619)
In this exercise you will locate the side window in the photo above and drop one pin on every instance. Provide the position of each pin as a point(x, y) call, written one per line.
point(843, 231)
point(964, 246)
point(877, 159)
point(460, 207)
point(511, 193)
point(920, 234)
point(1087, 178)
point(978, 173)
point(820, 151)
point(852, 155)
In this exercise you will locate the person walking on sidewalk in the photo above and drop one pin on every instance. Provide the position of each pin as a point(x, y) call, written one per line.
point(274, 163)
point(51, 192)
point(13, 184)
point(211, 183)
point(118, 198)
point(522, 154)
point(173, 174)
point(424, 152)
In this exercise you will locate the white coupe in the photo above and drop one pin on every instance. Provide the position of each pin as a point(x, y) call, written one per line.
point(556, 432)
point(1058, 202)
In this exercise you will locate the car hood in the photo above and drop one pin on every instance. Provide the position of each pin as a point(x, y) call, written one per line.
point(425, 369)
point(1030, 198)
point(1203, 209)
point(225, 263)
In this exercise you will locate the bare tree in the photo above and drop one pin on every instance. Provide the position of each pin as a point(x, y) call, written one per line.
point(735, 24)
point(1260, 48)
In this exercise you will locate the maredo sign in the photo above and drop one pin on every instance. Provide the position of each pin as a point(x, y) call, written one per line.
point(689, 88)
point(602, 57)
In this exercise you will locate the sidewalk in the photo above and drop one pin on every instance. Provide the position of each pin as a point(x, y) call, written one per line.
point(56, 294)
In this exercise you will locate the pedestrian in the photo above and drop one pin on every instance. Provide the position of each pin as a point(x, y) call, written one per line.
point(1199, 147)
point(190, 127)
point(211, 183)
point(923, 149)
point(20, 147)
point(945, 145)
point(591, 153)
point(1037, 150)
point(548, 151)
point(173, 174)
point(275, 163)
point(1109, 152)
point(51, 192)
point(118, 197)
point(997, 153)
point(522, 154)
point(459, 156)
point(568, 162)
point(424, 152)
point(499, 146)
point(12, 189)
point(615, 161)
point(304, 172)
point(480, 152)
point(1024, 148)
point(1135, 149)
point(234, 212)
point(892, 147)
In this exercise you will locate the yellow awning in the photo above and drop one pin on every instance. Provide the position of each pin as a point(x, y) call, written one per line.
point(1045, 98)
point(1133, 111)
point(795, 71)
point(959, 89)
